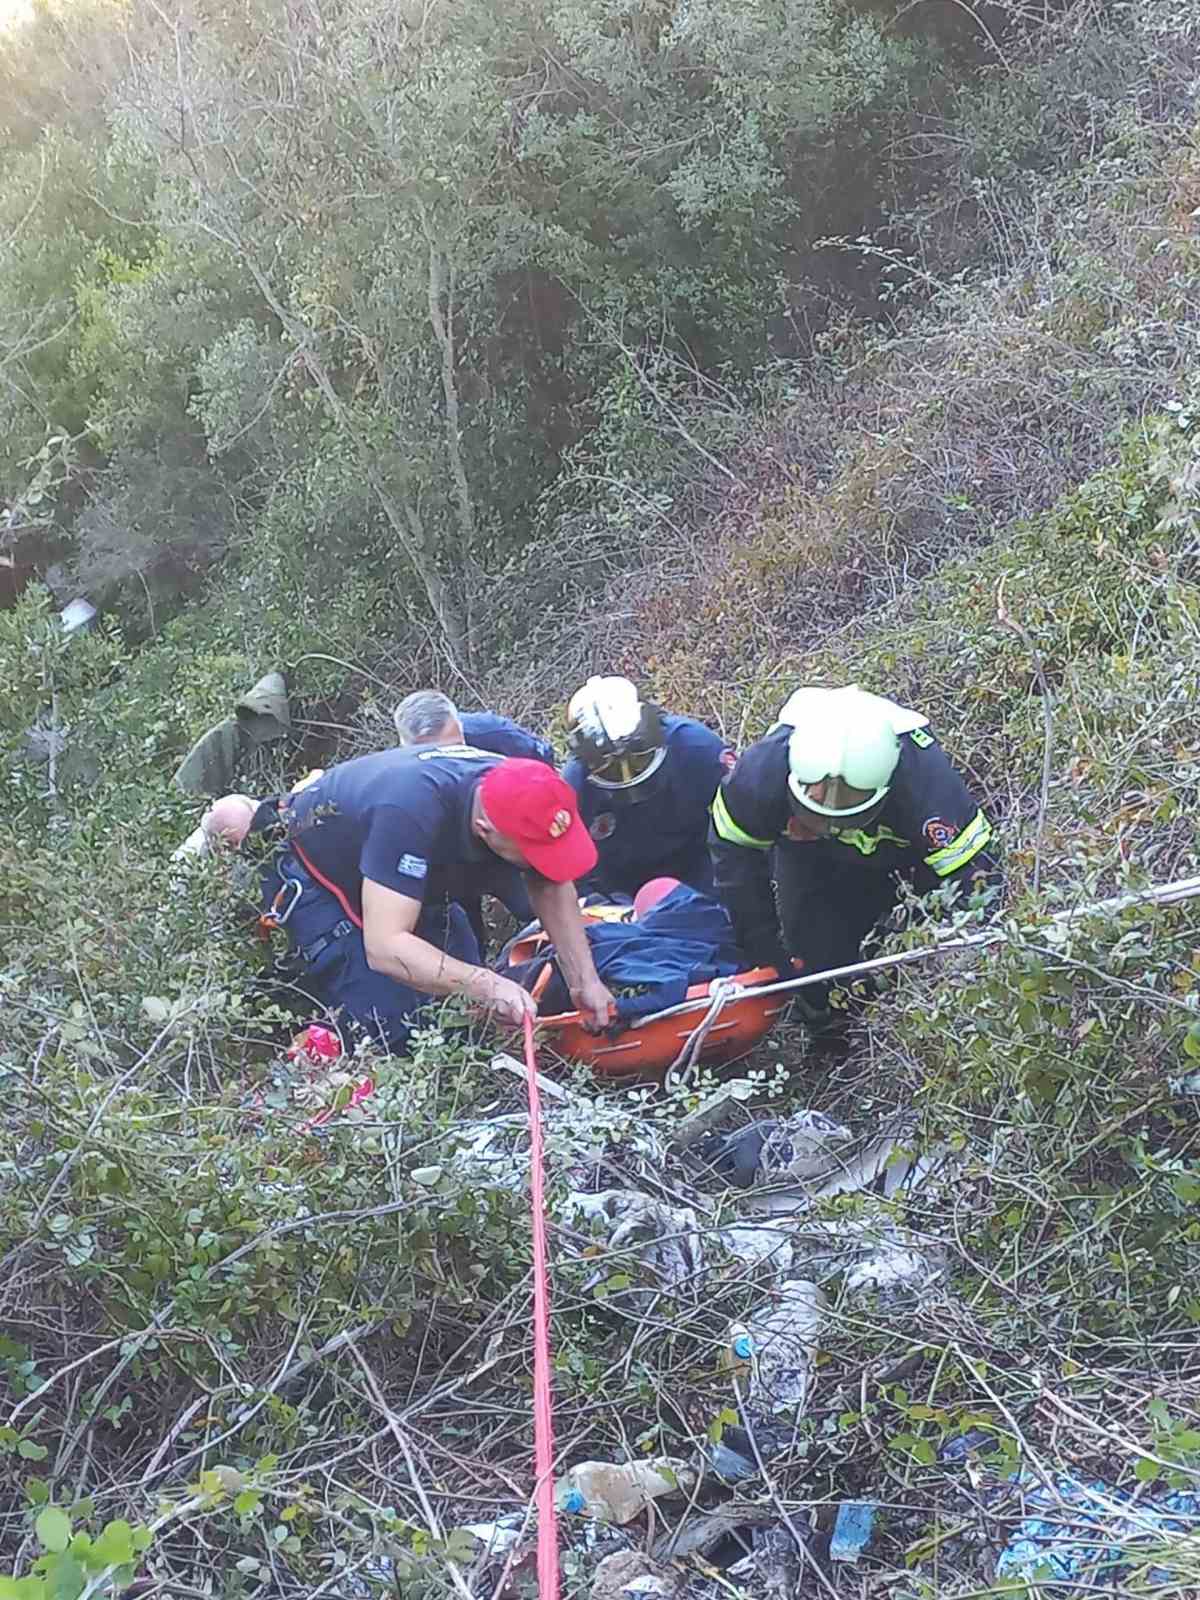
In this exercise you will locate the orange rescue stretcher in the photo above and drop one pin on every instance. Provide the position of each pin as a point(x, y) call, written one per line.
point(646, 1049)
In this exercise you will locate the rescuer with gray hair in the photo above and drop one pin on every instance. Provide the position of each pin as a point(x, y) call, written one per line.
point(427, 716)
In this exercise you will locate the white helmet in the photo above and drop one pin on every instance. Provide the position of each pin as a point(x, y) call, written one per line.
point(845, 739)
point(617, 735)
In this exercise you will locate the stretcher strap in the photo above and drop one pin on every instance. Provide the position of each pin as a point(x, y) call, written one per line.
point(543, 1416)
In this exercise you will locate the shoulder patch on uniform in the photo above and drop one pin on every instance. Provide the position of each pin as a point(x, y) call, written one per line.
point(412, 866)
point(921, 738)
point(604, 825)
point(462, 751)
point(938, 832)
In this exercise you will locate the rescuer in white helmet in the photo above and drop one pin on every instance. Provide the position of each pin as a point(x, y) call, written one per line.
point(845, 795)
point(645, 781)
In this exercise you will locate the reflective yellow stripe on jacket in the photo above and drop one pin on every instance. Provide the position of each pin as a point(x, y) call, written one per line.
point(868, 843)
point(728, 829)
point(962, 848)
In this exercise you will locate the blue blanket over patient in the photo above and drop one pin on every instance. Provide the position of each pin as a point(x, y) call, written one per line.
point(648, 965)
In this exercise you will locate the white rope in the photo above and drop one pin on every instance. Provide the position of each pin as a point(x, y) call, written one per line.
point(721, 992)
point(1161, 895)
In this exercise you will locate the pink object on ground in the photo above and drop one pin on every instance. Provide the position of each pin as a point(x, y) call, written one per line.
point(649, 895)
point(316, 1042)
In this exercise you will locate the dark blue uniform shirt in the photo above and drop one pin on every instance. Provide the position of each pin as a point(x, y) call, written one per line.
point(403, 819)
point(659, 828)
point(485, 730)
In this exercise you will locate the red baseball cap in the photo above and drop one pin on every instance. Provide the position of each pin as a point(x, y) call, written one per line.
point(538, 810)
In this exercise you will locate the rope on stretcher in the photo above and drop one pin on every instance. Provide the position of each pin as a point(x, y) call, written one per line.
point(722, 991)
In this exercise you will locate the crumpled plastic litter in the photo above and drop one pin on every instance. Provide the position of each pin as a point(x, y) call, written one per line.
point(773, 1564)
point(803, 1145)
point(886, 1165)
point(500, 1536)
point(1081, 1530)
point(783, 1336)
point(495, 1154)
point(852, 1530)
point(667, 1238)
point(874, 1253)
point(328, 1087)
point(632, 1573)
point(669, 1242)
point(759, 1246)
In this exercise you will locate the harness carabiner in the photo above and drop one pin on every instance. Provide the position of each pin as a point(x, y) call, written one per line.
point(279, 913)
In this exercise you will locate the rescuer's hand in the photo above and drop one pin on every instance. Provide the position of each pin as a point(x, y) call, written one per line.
point(504, 998)
point(595, 1005)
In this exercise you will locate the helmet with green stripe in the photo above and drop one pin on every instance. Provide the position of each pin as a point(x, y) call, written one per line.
point(842, 753)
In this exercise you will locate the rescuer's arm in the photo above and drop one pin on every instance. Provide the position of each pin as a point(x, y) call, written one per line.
point(557, 908)
point(749, 811)
point(394, 948)
point(941, 816)
point(742, 879)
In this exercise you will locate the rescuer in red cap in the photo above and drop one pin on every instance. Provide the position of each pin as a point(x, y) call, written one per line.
point(374, 858)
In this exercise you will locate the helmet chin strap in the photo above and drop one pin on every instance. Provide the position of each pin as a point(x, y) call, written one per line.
point(819, 823)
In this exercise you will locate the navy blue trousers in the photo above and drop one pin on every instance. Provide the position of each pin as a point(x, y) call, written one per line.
point(332, 959)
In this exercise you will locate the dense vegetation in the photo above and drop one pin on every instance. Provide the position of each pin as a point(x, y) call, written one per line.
point(730, 344)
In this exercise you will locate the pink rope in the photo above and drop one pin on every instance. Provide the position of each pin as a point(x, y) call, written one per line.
point(543, 1416)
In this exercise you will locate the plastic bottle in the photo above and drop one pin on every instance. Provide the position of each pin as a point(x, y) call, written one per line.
point(615, 1492)
point(784, 1337)
point(737, 1355)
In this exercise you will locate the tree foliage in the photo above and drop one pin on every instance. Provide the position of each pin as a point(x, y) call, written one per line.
point(385, 261)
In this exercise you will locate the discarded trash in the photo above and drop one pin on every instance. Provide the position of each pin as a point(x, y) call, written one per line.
point(886, 1165)
point(701, 1530)
point(874, 1253)
point(759, 1246)
point(852, 1530)
point(975, 1442)
point(738, 1454)
point(315, 1043)
point(317, 1047)
point(79, 614)
point(784, 1341)
point(618, 1493)
point(891, 1269)
point(1082, 1531)
point(666, 1238)
point(630, 1572)
point(738, 1350)
point(731, 1464)
point(709, 1112)
point(774, 1562)
point(802, 1146)
point(498, 1537)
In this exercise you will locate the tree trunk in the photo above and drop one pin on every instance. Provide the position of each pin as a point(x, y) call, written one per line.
point(402, 517)
point(443, 330)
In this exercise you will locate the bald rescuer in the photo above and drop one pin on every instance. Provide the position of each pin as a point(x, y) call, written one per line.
point(846, 795)
point(375, 856)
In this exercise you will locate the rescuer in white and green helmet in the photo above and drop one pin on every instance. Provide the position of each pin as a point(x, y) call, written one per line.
point(847, 794)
